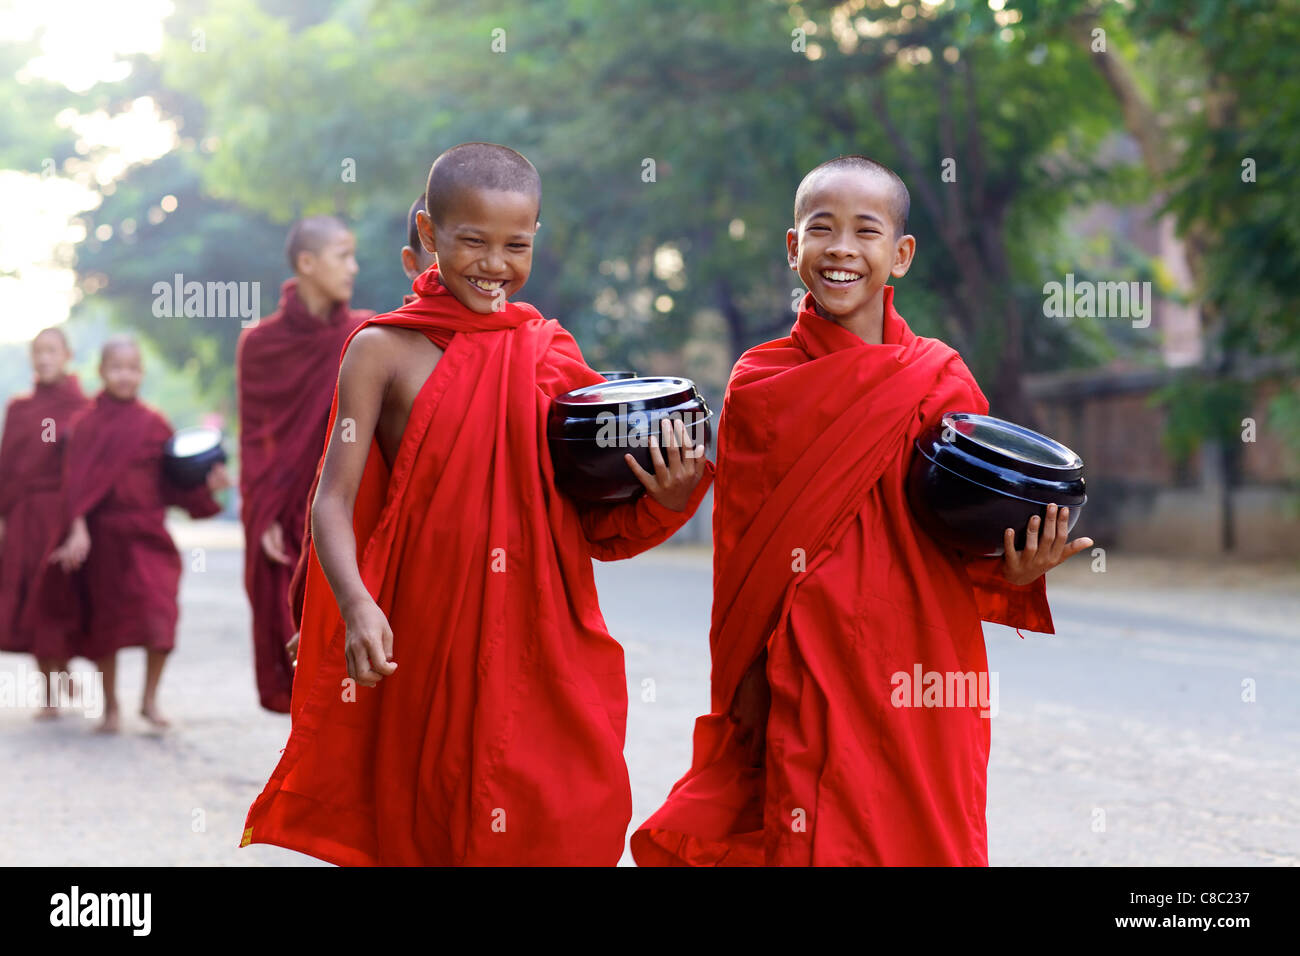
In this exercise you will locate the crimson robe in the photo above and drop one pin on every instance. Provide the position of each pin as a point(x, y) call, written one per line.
point(499, 738)
point(286, 367)
point(36, 430)
point(818, 560)
point(113, 477)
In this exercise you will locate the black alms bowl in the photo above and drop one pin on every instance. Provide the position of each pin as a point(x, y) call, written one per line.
point(590, 429)
point(973, 476)
point(190, 454)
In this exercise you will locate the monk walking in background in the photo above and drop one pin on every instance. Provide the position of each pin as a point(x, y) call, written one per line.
point(36, 431)
point(459, 699)
point(117, 551)
point(415, 259)
point(286, 367)
point(825, 590)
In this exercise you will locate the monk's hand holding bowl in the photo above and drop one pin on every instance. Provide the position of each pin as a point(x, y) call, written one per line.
point(273, 544)
point(369, 647)
point(675, 478)
point(1040, 555)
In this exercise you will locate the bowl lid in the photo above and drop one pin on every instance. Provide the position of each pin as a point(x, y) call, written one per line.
point(1006, 443)
point(192, 442)
point(630, 394)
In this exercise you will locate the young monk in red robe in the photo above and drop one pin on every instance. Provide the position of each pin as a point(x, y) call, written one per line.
point(36, 433)
point(453, 582)
point(285, 368)
point(415, 259)
point(828, 596)
point(115, 499)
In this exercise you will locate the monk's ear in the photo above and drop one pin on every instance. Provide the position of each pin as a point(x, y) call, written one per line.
point(424, 226)
point(903, 253)
point(792, 248)
point(410, 263)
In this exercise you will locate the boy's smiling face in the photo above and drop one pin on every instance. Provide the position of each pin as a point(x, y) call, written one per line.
point(484, 245)
point(847, 243)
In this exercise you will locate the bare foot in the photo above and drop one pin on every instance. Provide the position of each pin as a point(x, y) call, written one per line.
point(151, 713)
point(112, 723)
point(47, 713)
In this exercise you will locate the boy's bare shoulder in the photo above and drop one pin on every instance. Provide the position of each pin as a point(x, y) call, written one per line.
point(387, 347)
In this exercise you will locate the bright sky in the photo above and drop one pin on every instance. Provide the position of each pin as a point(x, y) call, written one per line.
point(81, 44)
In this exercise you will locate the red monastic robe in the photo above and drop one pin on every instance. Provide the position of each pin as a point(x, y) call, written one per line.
point(113, 477)
point(36, 430)
point(499, 738)
point(818, 559)
point(286, 367)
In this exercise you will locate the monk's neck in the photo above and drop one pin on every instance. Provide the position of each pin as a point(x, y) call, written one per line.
point(867, 323)
point(318, 304)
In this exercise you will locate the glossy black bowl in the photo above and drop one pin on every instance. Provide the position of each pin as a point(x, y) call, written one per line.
point(190, 454)
point(618, 376)
point(973, 476)
point(590, 429)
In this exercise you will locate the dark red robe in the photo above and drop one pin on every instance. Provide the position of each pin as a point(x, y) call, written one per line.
point(36, 433)
point(286, 369)
point(298, 583)
point(818, 560)
point(113, 477)
point(499, 738)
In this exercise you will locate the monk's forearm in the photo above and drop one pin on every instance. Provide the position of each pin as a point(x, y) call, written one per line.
point(336, 548)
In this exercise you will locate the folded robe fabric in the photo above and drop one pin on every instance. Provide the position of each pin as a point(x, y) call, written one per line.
point(286, 365)
point(817, 559)
point(128, 586)
point(36, 433)
point(499, 738)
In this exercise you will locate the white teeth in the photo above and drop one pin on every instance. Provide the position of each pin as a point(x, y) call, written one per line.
point(487, 286)
point(836, 275)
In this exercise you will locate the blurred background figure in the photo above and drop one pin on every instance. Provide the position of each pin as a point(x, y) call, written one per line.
point(36, 431)
point(117, 552)
point(287, 366)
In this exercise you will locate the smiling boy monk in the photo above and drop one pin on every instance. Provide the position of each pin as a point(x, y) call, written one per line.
point(825, 590)
point(453, 582)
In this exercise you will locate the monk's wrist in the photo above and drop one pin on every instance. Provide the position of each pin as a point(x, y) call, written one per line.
point(354, 602)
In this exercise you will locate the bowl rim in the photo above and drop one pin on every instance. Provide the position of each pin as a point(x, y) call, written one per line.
point(983, 450)
point(996, 491)
point(169, 448)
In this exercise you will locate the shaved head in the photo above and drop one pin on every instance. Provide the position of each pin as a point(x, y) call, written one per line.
point(118, 343)
point(310, 235)
point(479, 166)
point(901, 201)
point(55, 332)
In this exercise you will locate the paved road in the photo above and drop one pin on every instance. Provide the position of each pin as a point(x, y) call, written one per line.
point(1132, 716)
